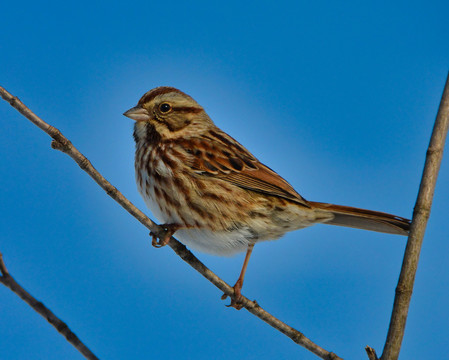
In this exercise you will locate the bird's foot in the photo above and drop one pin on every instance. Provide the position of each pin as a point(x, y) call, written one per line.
point(170, 229)
point(236, 300)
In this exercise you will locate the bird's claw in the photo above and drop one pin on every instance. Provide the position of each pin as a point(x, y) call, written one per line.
point(157, 242)
point(235, 304)
point(236, 300)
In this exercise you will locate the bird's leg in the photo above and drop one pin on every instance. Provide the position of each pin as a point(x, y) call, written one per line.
point(170, 230)
point(239, 284)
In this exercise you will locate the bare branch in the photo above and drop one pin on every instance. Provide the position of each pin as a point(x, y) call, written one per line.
point(61, 143)
point(371, 353)
point(3, 270)
point(421, 214)
point(7, 280)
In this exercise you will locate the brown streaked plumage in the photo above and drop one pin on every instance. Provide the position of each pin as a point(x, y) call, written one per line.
point(210, 190)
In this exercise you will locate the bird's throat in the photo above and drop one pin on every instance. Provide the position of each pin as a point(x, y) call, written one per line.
point(147, 133)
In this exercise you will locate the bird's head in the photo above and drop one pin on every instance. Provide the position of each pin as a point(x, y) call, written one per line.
point(168, 113)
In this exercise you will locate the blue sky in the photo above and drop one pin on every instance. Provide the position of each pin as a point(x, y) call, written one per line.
point(338, 97)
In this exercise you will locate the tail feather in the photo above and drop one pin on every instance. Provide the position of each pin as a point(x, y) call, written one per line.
point(364, 219)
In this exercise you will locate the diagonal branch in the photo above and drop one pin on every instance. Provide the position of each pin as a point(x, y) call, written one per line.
point(60, 142)
point(421, 214)
point(7, 280)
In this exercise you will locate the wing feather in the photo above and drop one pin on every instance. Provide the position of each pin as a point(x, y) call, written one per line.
point(217, 154)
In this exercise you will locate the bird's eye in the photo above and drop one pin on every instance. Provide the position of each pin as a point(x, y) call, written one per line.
point(164, 107)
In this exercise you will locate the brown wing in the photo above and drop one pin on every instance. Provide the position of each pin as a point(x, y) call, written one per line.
point(219, 155)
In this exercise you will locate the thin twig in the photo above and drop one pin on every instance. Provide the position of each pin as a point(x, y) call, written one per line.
point(3, 270)
point(7, 280)
point(61, 143)
point(421, 214)
point(371, 353)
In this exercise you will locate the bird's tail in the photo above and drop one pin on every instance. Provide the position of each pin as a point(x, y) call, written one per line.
point(364, 219)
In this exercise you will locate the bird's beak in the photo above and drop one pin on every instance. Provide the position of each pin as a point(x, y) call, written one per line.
point(137, 113)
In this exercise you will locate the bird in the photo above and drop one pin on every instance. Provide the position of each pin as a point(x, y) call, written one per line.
point(218, 198)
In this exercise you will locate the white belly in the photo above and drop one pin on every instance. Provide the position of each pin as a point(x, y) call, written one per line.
point(212, 242)
point(216, 243)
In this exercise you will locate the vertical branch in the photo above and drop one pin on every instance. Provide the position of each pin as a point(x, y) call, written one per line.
point(421, 214)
